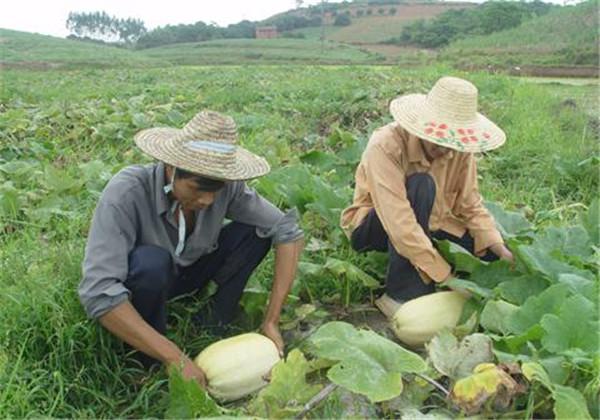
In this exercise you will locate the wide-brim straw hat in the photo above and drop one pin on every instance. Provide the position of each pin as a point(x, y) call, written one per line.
point(206, 146)
point(447, 116)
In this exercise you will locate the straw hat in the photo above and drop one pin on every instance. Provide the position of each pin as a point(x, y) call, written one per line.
point(448, 116)
point(206, 146)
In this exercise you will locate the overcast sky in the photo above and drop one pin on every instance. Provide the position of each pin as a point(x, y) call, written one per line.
point(49, 16)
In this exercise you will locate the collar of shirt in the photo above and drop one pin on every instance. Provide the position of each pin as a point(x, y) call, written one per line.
point(160, 198)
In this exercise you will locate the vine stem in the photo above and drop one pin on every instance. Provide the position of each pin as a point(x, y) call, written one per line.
point(314, 401)
point(434, 383)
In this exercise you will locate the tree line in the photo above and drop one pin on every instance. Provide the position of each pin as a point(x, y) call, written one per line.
point(99, 26)
point(484, 19)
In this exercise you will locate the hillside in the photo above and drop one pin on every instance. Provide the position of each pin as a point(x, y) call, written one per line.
point(24, 49)
point(372, 24)
point(566, 36)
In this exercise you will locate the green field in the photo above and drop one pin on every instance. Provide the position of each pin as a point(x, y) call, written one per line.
point(567, 36)
point(64, 133)
point(265, 51)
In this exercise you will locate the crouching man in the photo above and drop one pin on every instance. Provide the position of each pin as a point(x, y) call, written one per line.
point(158, 232)
point(417, 180)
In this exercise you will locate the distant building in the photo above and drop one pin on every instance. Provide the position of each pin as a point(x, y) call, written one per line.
point(266, 32)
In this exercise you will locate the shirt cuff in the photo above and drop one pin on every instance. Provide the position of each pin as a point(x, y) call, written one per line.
point(437, 269)
point(484, 240)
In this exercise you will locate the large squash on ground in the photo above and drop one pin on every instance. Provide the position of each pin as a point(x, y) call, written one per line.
point(419, 320)
point(236, 366)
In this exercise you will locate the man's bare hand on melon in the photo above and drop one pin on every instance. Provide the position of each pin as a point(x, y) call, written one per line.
point(191, 371)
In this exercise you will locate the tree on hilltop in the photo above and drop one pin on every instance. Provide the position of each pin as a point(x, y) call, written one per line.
point(99, 26)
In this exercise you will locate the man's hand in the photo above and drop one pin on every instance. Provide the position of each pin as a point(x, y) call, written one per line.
point(271, 330)
point(502, 252)
point(191, 371)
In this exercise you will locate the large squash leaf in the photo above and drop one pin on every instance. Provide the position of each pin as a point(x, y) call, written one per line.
point(575, 326)
point(187, 399)
point(288, 391)
point(457, 360)
point(369, 364)
point(509, 223)
point(530, 314)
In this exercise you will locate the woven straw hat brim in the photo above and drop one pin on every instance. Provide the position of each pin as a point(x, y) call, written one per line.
point(415, 115)
point(165, 144)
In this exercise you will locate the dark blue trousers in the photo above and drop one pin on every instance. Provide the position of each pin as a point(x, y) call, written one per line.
point(403, 282)
point(153, 278)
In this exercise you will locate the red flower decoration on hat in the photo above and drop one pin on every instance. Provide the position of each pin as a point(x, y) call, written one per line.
point(440, 134)
point(465, 140)
point(486, 135)
point(474, 139)
point(442, 126)
point(470, 131)
point(431, 124)
point(428, 130)
point(461, 131)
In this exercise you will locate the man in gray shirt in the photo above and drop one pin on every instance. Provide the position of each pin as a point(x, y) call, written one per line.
point(158, 232)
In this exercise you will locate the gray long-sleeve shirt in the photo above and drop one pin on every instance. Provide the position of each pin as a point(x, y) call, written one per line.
point(134, 210)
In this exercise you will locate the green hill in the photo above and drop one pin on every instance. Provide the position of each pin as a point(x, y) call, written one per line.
point(566, 36)
point(24, 49)
point(27, 50)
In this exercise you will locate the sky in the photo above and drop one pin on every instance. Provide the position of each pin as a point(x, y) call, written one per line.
point(49, 16)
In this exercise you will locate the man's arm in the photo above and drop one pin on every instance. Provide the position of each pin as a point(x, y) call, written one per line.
point(127, 324)
point(286, 264)
point(478, 220)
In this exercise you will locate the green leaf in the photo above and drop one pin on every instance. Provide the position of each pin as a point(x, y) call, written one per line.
point(369, 364)
point(351, 272)
point(530, 314)
point(580, 285)
point(519, 289)
point(538, 260)
point(459, 284)
point(575, 326)
point(535, 372)
point(569, 404)
point(510, 224)
point(461, 259)
point(591, 221)
point(288, 391)
point(458, 360)
point(496, 314)
point(492, 274)
point(57, 180)
point(187, 399)
point(571, 240)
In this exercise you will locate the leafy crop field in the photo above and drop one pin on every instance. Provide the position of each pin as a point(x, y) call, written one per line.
point(64, 133)
point(243, 51)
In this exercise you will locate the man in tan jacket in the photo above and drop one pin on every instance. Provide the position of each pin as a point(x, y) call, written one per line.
point(417, 180)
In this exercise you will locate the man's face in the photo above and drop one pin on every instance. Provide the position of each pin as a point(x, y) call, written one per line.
point(433, 151)
point(190, 197)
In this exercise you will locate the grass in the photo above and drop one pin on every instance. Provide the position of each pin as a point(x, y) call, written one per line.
point(43, 51)
point(56, 363)
point(243, 51)
point(567, 36)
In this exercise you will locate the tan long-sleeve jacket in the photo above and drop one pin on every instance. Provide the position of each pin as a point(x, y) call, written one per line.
point(392, 155)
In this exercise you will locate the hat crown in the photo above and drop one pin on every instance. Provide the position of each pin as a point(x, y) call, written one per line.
point(211, 126)
point(454, 99)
